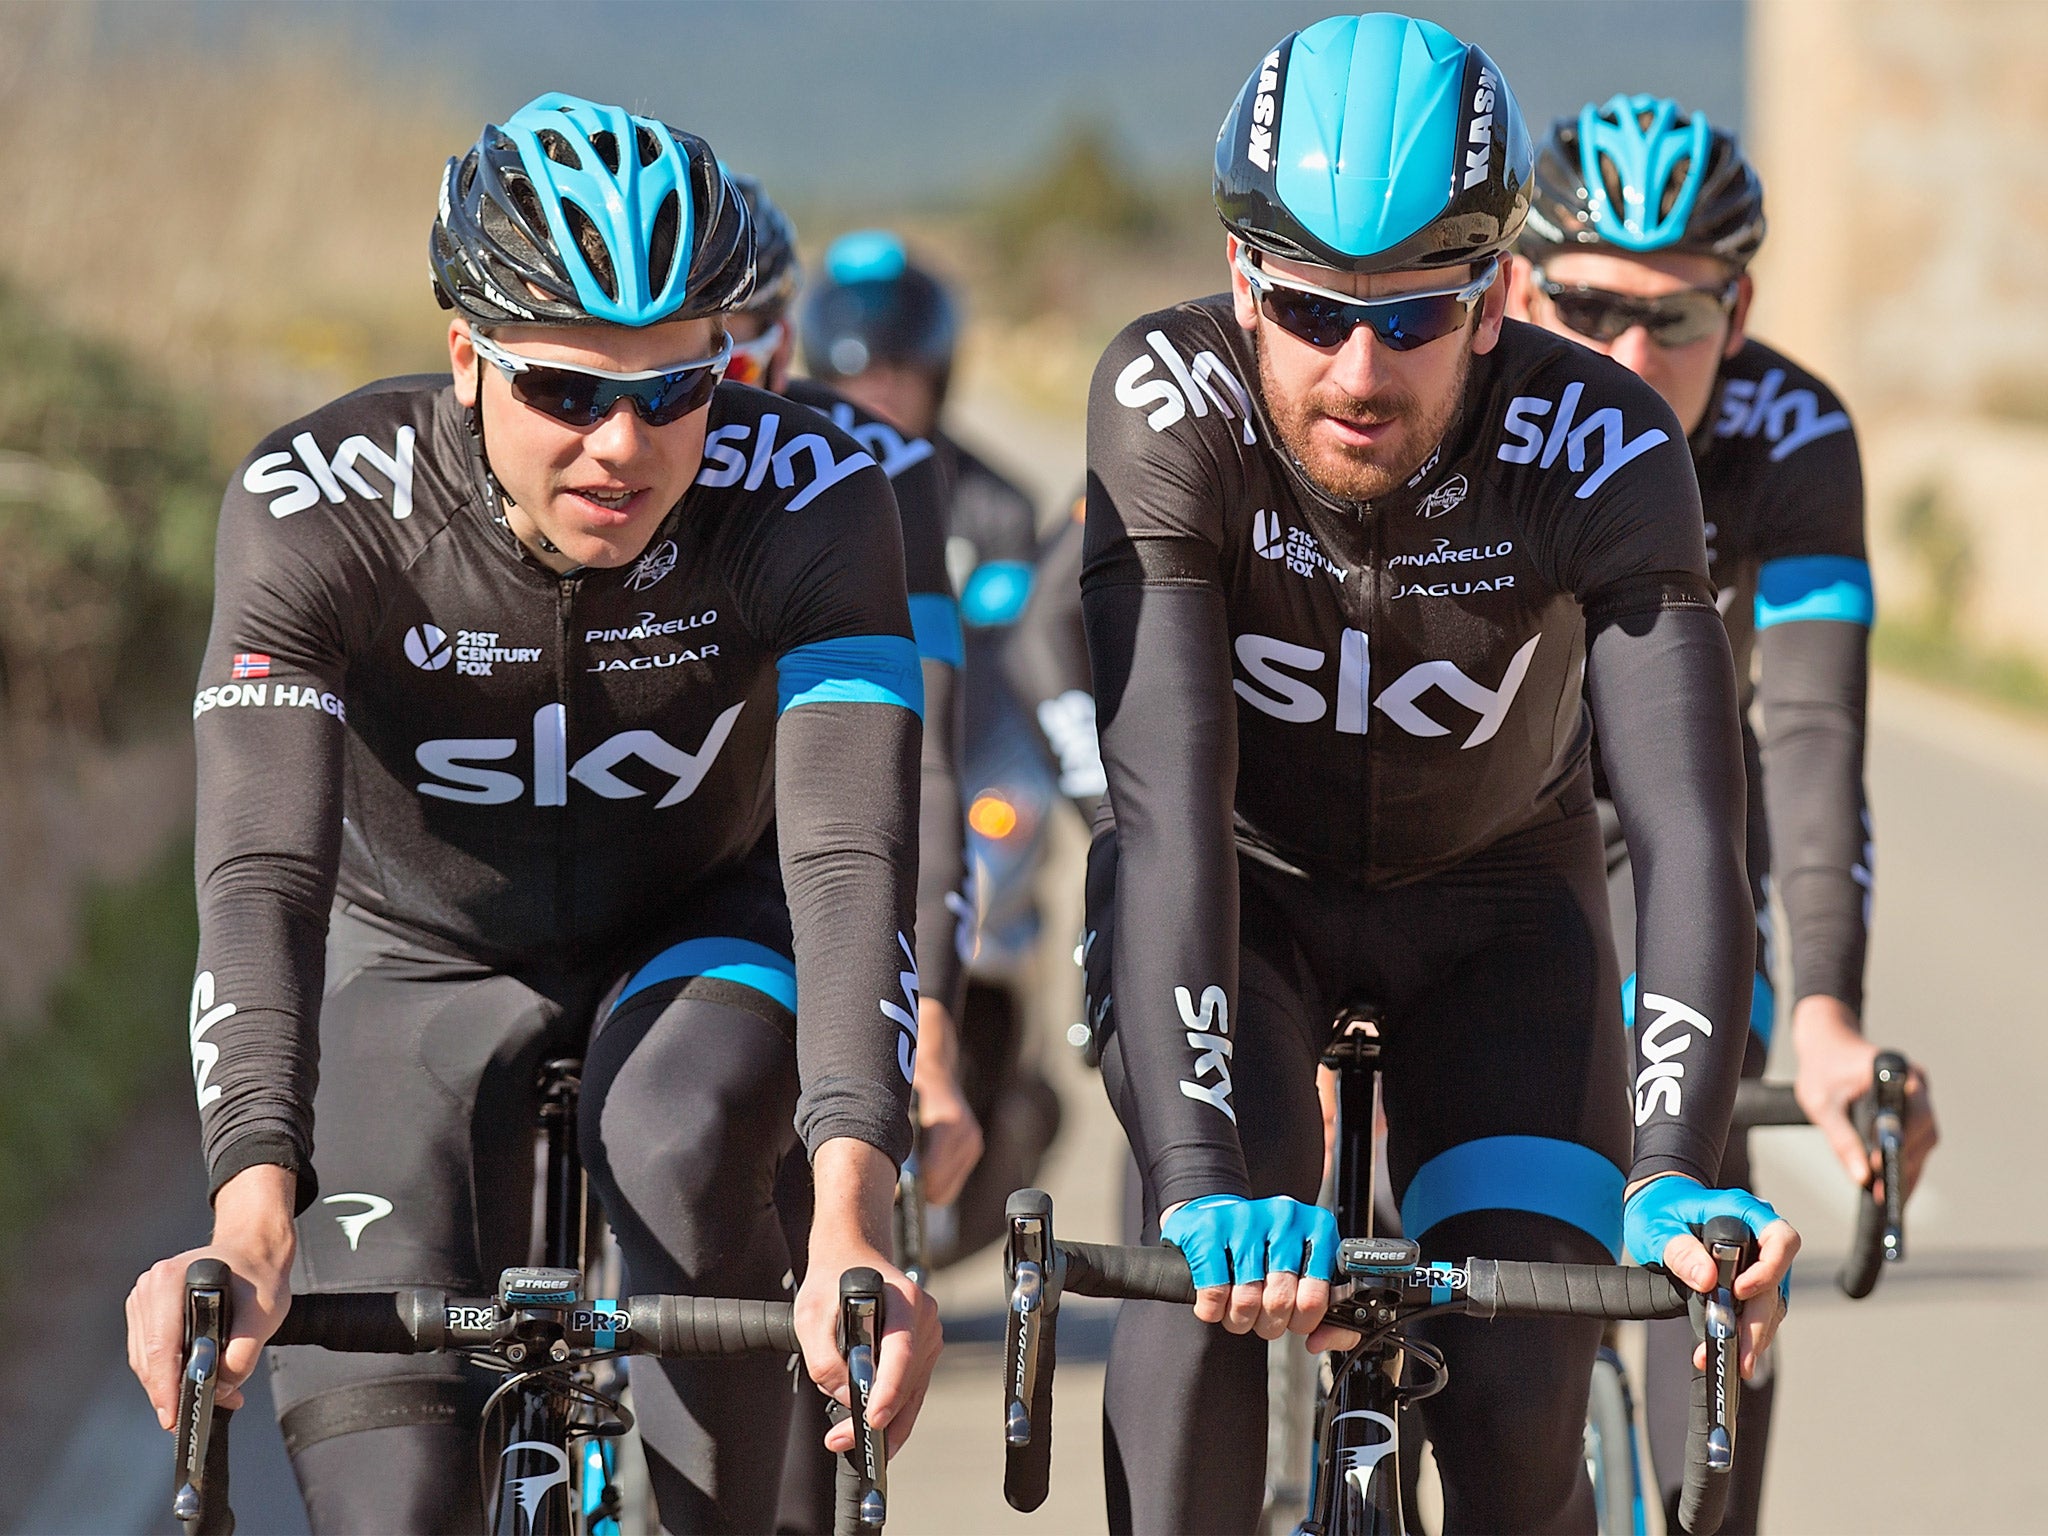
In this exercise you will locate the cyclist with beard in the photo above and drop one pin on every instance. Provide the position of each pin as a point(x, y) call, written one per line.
point(516, 677)
point(1352, 538)
point(1644, 221)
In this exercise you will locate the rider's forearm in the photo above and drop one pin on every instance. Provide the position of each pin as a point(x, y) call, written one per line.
point(1812, 697)
point(252, 1216)
point(846, 806)
point(856, 1189)
point(941, 838)
point(1662, 686)
point(1159, 647)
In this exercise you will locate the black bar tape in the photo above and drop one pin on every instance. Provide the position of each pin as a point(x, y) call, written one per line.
point(1865, 1261)
point(676, 1327)
point(1760, 1103)
point(1129, 1274)
point(409, 1322)
point(1704, 1499)
point(1502, 1287)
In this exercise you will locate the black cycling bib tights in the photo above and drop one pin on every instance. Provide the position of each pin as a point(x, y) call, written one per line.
point(1347, 753)
point(522, 792)
point(1781, 482)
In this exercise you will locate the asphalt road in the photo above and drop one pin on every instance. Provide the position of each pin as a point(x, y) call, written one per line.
point(1920, 1409)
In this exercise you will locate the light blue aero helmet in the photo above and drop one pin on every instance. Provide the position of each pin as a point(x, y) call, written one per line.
point(1640, 173)
point(572, 212)
point(1374, 143)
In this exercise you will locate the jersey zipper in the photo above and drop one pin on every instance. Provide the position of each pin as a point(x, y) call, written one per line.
point(1375, 523)
point(565, 857)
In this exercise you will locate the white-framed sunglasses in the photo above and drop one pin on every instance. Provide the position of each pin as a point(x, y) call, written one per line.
point(1323, 317)
point(582, 397)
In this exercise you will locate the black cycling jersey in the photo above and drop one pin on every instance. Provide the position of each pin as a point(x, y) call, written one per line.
point(1782, 483)
point(916, 471)
point(1407, 692)
point(399, 706)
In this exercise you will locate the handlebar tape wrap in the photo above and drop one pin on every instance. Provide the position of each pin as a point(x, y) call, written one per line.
point(1703, 1499)
point(1503, 1286)
point(1760, 1103)
point(1865, 1259)
point(674, 1327)
point(1133, 1274)
point(408, 1322)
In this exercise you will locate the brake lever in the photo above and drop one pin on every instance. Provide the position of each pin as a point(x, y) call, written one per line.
point(208, 1317)
point(1889, 1131)
point(860, 1338)
point(1731, 1245)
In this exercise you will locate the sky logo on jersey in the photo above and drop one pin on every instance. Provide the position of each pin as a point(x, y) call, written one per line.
point(1294, 699)
point(1296, 546)
point(249, 664)
point(904, 1014)
point(453, 763)
point(894, 452)
point(653, 566)
point(205, 1013)
point(1259, 146)
point(1208, 1031)
point(1791, 420)
point(1603, 429)
point(1196, 386)
point(1666, 1036)
point(725, 464)
point(333, 477)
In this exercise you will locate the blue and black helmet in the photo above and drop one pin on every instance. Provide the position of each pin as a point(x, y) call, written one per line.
point(777, 273)
point(572, 213)
point(1640, 173)
point(1374, 143)
point(873, 305)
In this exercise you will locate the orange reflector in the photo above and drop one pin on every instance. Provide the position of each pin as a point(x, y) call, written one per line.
point(992, 816)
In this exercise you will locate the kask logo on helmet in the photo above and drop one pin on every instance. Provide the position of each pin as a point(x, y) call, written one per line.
point(1259, 148)
point(1481, 136)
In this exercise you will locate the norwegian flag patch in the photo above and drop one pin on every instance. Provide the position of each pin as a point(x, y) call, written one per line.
point(250, 664)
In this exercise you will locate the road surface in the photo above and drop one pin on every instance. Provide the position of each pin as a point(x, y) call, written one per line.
point(1921, 1409)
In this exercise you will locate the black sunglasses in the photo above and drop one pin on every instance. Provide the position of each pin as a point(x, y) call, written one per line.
point(1672, 320)
point(582, 397)
point(1324, 318)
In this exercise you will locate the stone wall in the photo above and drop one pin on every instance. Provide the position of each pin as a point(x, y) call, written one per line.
point(1900, 141)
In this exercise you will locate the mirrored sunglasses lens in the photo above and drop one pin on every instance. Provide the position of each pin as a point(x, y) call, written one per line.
point(1318, 321)
point(1594, 316)
point(1684, 318)
point(677, 395)
point(562, 393)
point(1418, 322)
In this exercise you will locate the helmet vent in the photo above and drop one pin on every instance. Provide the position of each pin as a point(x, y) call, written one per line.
point(647, 143)
point(591, 243)
point(1610, 178)
point(606, 144)
point(661, 244)
point(503, 233)
point(1674, 184)
point(558, 149)
point(520, 191)
point(466, 177)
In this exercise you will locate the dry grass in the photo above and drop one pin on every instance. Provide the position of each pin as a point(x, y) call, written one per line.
point(253, 221)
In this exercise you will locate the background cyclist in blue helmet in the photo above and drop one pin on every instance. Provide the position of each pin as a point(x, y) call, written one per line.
point(564, 706)
point(1644, 221)
point(1356, 546)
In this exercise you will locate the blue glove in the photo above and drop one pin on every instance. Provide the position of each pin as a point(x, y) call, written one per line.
point(1676, 1206)
point(1231, 1240)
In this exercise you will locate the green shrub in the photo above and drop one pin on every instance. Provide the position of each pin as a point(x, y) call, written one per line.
point(111, 1034)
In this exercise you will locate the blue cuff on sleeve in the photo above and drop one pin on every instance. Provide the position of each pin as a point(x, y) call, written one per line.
point(935, 621)
point(854, 669)
point(1815, 587)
